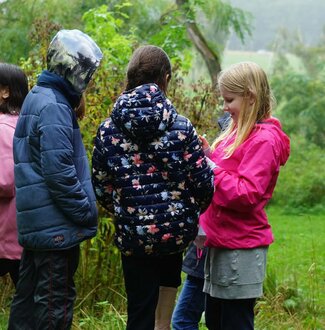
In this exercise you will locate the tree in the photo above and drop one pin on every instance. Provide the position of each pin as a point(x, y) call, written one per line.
point(17, 19)
point(222, 17)
point(178, 25)
point(301, 95)
point(211, 57)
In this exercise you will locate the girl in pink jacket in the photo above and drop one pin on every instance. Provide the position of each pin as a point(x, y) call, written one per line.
point(13, 89)
point(248, 156)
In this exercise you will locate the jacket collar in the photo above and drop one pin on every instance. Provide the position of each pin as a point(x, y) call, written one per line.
point(52, 80)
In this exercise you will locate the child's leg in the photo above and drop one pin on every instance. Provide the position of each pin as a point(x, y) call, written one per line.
point(14, 271)
point(165, 306)
point(170, 280)
point(45, 290)
point(55, 291)
point(229, 314)
point(190, 305)
point(142, 289)
point(22, 306)
point(11, 267)
point(4, 267)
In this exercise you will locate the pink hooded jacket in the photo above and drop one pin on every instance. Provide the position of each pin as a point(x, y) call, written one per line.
point(9, 247)
point(244, 183)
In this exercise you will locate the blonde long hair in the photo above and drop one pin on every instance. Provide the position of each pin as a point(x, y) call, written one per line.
point(248, 80)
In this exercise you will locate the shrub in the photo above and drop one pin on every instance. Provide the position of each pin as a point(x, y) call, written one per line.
point(301, 185)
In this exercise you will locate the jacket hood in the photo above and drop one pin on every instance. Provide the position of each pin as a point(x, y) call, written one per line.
point(143, 113)
point(74, 56)
point(283, 141)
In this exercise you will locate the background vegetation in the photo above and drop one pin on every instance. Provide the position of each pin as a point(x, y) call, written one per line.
point(294, 289)
point(303, 17)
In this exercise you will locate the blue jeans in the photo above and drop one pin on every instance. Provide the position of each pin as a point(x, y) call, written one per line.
point(190, 305)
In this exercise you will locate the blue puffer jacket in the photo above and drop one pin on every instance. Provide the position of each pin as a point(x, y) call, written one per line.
point(149, 170)
point(56, 206)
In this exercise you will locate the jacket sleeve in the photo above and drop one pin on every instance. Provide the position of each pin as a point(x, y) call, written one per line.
point(200, 173)
point(101, 179)
point(56, 127)
point(243, 190)
point(7, 182)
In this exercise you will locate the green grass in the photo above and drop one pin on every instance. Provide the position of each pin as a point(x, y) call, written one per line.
point(295, 287)
point(299, 251)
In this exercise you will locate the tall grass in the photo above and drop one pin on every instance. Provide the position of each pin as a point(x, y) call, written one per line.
point(294, 289)
point(294, 295)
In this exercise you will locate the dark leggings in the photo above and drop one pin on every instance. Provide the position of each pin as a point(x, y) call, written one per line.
point(228, 314)
point(11, 267)
point(143, 276)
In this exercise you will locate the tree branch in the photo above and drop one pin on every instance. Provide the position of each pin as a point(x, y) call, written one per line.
point(210, 57)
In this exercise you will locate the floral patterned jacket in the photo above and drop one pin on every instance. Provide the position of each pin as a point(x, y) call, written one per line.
point(149, 170)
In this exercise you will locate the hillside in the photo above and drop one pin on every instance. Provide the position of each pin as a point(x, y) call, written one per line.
point(305, 16)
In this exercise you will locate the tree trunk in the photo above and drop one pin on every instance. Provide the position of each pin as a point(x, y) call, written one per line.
point(210, 57)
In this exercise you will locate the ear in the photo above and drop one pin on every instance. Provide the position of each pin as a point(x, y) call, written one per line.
point(168, 76)
point(252, 98)
point(4, 92)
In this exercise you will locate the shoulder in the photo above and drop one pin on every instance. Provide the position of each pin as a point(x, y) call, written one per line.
point(269, 131)
point(8, 122)
point(107, 126)
point(182, 123)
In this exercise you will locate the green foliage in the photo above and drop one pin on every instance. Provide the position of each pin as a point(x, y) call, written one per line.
point(198, 102)
point(294, 289)
point(99, 277)
point(294, 295)
point(163, 23)
point(104, 26)
point(221, 16)
point(305, 17)
point(17, 19)
point(301, 184)
point(312, 56)
point(283, 306)
point(172, 37)
point(301, 105)
point(101, 302)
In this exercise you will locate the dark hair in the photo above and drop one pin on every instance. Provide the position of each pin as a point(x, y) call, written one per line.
point(13, 78)
point(149, 64)
point(80, 110)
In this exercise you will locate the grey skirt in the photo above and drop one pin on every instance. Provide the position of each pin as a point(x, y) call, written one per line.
point(235, 274)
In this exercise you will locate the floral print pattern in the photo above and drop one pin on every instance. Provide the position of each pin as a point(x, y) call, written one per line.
point(149, 170)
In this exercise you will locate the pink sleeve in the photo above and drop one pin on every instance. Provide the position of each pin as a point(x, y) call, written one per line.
point(7, 182)
point(244, 188)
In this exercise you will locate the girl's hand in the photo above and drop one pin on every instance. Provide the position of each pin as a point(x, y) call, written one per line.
point(204, 141)
point(205, 145)
point(199, 241)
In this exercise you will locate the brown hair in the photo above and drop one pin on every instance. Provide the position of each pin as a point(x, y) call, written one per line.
point(149, 64)
point(13, 78)
point(80, 110)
